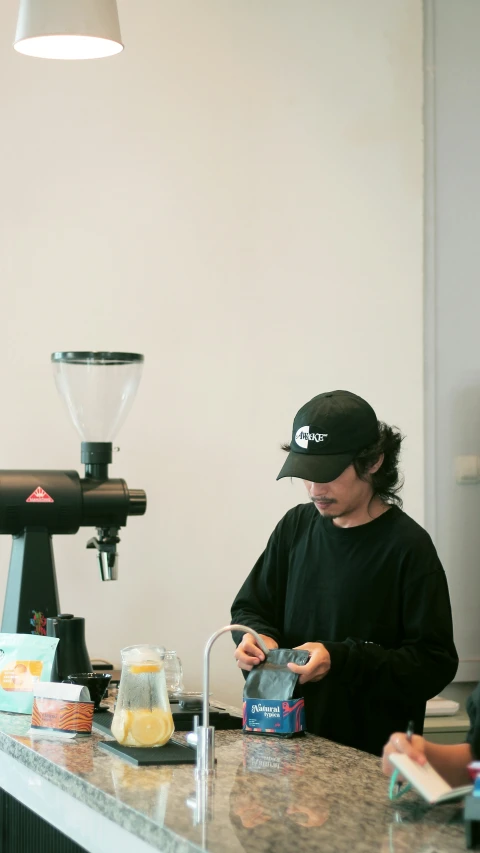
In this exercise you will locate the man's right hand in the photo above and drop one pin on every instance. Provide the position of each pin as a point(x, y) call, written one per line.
point(248, 654)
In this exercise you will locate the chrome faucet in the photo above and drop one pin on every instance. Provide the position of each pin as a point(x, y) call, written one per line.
point(206, 733)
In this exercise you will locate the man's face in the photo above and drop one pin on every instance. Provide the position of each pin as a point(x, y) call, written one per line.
point(340, 497)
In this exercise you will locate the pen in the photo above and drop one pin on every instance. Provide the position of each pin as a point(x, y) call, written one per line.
point(409, 734)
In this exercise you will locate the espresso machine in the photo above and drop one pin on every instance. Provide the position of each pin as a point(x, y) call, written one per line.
point(98, 389)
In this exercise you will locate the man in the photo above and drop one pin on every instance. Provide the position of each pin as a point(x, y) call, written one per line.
point(353, 579)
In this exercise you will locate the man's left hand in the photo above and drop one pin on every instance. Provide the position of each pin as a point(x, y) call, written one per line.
point(318, 665)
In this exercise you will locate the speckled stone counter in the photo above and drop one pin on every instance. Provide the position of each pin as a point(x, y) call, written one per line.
point(268, 795)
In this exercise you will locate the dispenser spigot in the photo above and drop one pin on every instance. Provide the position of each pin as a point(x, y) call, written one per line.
point(107, 554)
point(205, 732)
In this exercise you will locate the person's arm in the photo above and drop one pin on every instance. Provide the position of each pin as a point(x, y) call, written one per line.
point(426, 661)
point(450, 761)
point(260, 602)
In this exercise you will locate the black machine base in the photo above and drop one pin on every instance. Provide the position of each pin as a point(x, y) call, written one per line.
point(32, 593)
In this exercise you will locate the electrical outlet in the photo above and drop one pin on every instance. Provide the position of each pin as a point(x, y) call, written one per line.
point(467, 470)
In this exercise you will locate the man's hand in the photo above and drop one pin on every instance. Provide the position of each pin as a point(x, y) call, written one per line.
point(415, 749)
point(318, 665)
point(248, 654)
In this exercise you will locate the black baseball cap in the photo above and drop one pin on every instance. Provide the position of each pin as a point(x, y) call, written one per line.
point(328, 432)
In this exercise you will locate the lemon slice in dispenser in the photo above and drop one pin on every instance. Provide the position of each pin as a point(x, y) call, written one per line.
point(151, 728)
point(121, 725)
point(141, 668)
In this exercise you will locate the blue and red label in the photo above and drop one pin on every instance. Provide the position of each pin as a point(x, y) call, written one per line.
point(286, 717)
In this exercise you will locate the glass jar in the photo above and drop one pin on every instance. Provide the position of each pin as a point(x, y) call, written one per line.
point(173, 674)
point(142, 714)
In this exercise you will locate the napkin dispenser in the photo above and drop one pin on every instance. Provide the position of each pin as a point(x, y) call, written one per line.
point(62, 710)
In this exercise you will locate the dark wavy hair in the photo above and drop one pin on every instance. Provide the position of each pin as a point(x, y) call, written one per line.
point(387, 482)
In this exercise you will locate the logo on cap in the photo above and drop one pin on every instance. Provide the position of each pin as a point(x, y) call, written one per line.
point(303, 436)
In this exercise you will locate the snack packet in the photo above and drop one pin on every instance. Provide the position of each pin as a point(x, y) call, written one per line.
point(25, 660)
point(269, 704)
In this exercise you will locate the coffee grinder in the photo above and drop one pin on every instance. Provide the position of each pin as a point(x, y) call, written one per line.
point(98, 389)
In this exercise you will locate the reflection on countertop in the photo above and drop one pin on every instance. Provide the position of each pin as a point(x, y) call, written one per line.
point(304, 794)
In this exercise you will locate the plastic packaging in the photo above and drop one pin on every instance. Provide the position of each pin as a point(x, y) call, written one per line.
point(269, 704)
point(25, 660)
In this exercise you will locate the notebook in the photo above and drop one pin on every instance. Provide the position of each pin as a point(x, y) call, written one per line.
point(427, 781)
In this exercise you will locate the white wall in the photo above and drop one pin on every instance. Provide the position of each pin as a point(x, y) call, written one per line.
point(238, 196)
point(453, 306)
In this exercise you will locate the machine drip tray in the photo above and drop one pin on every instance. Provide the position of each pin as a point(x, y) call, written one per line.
point(222, 720)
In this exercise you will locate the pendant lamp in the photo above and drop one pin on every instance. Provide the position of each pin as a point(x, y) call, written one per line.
point(68, 29)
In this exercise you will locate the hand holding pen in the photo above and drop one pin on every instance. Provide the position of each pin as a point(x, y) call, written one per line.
point(408, 744)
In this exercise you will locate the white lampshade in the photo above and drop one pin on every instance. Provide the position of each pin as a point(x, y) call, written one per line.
point(68, 29)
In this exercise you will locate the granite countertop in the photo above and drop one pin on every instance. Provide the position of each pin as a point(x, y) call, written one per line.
point(305, 794)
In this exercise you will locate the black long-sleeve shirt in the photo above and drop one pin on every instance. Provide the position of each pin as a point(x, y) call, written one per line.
point(376, 595)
